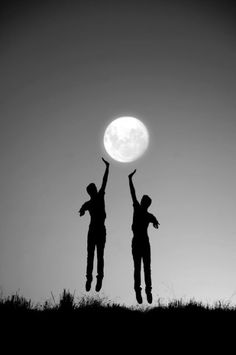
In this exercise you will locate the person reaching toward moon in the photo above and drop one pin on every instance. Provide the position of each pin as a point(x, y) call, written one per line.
point(97, 230)
point(125, 139)
point(140, 243)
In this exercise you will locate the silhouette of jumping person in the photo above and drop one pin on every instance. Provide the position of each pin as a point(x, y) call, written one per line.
point(97, 230)
point(140, 243)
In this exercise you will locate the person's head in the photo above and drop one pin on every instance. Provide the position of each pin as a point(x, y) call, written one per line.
point(146, 201)
point(92, 189)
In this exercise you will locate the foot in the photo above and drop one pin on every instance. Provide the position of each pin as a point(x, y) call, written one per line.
point(139, 297)
point(98, 285)
point(149, 297)
point(88, 285)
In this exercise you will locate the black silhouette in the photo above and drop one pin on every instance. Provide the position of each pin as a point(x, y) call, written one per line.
point(140, 243)
point(97, 230)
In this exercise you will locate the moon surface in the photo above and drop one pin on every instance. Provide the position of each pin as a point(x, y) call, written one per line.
point(126, 139)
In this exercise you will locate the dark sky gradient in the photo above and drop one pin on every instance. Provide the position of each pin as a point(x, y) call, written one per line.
point(67, 69)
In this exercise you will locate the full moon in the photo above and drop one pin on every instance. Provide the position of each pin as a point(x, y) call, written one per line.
point(126, 139)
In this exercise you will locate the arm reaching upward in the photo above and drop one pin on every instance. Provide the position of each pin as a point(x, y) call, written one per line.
point(131, 186)
point(105, 176)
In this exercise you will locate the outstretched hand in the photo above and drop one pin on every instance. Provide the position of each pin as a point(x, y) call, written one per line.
point(106, 162)
point(131, 174)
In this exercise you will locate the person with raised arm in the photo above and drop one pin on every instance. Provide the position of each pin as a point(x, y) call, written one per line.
point(141, 250)
point(97, 230)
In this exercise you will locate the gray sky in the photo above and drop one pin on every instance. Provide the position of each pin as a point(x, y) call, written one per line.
point(67, 69)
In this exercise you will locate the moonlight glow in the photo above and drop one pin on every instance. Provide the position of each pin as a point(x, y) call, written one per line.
point(126, 139)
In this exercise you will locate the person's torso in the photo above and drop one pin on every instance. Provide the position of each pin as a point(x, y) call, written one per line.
point(141, 220)
point(96, 209)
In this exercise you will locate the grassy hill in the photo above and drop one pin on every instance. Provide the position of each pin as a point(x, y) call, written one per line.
point(68, 304)
point(91, 321)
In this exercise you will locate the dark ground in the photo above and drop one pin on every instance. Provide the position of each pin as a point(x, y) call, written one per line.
point(95, 325)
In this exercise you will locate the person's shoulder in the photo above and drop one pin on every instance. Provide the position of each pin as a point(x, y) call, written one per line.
point(101, 192)
point(136, 204)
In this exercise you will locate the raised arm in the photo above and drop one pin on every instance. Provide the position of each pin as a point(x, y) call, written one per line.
point(131, 186)
point(105, 176)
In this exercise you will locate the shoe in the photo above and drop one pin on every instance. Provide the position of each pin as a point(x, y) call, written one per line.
point(149, 297)
point(139, 297)
point(88, 285)
point(98, 285)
